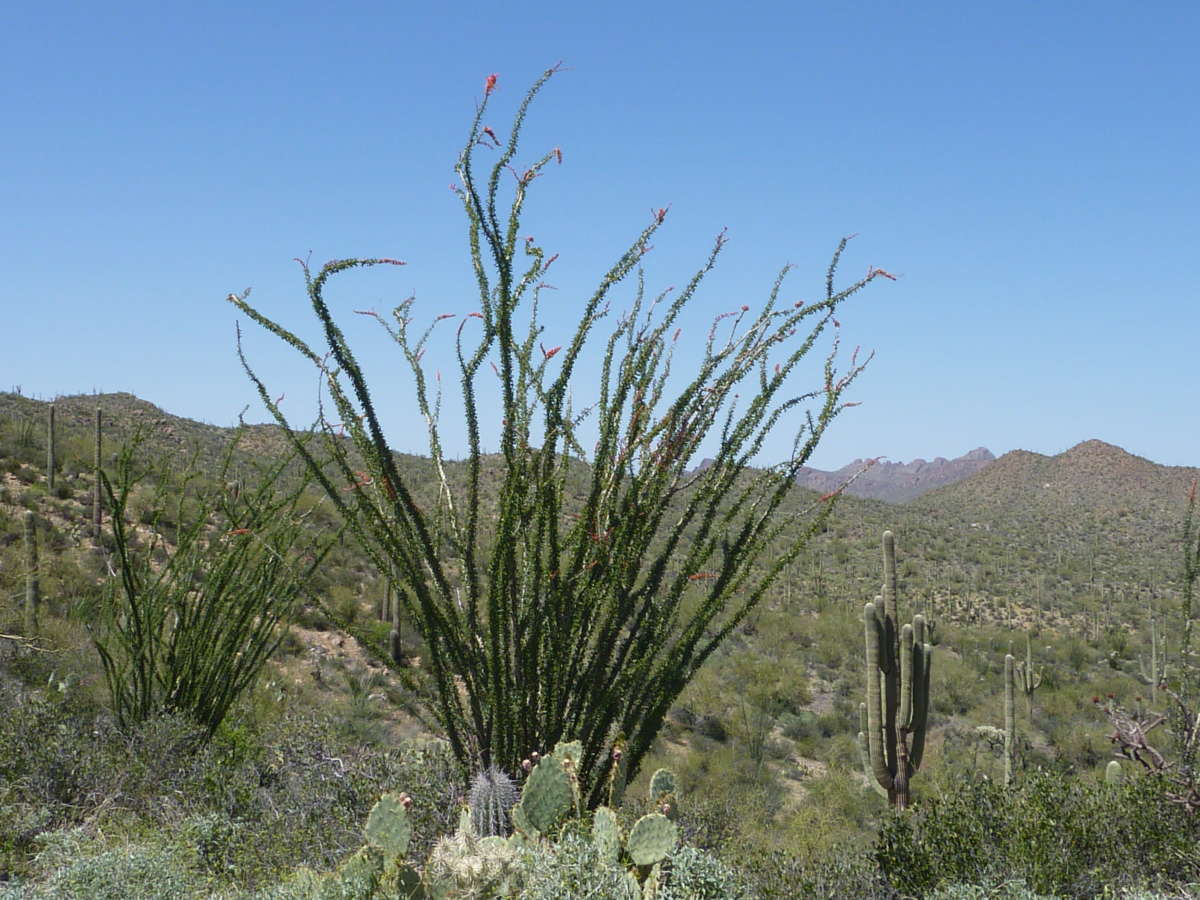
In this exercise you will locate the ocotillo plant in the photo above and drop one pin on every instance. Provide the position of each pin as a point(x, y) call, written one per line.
point(897, 707)
point(33, 593)
point(51, 462)
point(187, 628)
point(1010, 720)
point(1027, 679)
point(548, 612)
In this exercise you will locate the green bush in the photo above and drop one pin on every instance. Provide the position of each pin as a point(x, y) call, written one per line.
point(1060, 836)
point(77, 867)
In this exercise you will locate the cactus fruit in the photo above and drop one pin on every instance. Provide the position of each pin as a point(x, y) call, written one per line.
point(547, 797)
point(1010, 721)
point(1114, 774)
point(898, 666)
point(491, 799)
point(651, 839)
point(33, 591)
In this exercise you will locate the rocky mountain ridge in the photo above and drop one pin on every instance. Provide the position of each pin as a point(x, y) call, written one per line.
point(897, 482)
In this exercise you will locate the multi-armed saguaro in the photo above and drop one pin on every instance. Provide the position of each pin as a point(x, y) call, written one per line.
point(897, 707)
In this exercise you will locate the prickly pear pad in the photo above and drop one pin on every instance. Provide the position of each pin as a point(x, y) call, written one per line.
point(388, 829)
point(651, 839)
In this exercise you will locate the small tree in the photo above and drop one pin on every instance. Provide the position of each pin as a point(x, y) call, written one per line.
point(549, 613)
point(197, 598)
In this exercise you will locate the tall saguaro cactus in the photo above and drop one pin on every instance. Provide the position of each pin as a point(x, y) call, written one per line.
point(1155, 673)
point(33, 594)
point(1027, 679)
point(1010, 720)
point(51, 462)
point(897, 707)
point(96, 499)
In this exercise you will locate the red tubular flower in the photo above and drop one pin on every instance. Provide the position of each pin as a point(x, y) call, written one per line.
point(490, 84)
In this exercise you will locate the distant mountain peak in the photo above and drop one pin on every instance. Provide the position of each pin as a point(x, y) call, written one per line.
point(896, 482)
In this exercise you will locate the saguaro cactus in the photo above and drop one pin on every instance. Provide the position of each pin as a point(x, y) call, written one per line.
point(33, 593)
point(96, 501)
point(897, 707)
point(51, 462)
point(1010, 720)
point(1027, 679)
point(1156, 672)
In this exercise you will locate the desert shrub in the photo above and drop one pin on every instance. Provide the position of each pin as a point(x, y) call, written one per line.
point(1063, 837)
point(782, 875)
point(249, 804)
point(572, 869)
point(73, 865)
point(697, 875)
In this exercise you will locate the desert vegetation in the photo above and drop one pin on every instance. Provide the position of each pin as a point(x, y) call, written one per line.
point(286, 661)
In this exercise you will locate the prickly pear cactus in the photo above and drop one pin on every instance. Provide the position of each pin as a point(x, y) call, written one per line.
point(569, 750)
point(388, 829)
point(606, 836)
point(547, 797)
point(651, 839)
point(662, 783)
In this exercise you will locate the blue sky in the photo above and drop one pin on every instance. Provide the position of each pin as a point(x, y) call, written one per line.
point(1031, 171)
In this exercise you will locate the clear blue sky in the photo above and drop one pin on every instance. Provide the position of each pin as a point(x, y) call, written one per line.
point(1031, 170)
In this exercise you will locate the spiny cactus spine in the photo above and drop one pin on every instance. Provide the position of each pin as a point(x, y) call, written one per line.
point(33, 591)
point(1027, 679)
point(898, 668)
point(1010, 720)
point(491, 799)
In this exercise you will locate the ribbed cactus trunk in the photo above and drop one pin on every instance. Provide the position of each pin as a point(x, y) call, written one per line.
point(51, 462)
point(1010, 720)
point(1027, 679)
point(1157, 671)
point(96, 500)
point(33, 593)
point(897, 707)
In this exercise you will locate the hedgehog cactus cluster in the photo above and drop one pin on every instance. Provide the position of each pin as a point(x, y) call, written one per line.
point(492, 797)
point(894, 717)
